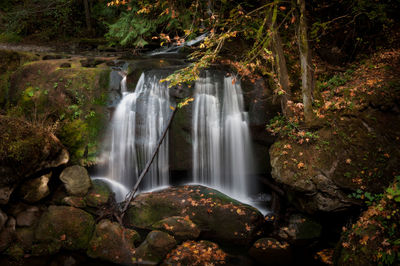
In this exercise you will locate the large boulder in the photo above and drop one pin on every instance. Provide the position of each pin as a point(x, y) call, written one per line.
point(113, 243)
point(182, 228)
point(76, 180)
point(269, 251)
point(26, 149)
point(71, 227)
point(154, 248)
point(217, 215)
point(35, 189)
point(358, 154)
point(196, 254)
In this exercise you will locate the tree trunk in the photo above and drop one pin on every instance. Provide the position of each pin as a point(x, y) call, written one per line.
point(87, 15)
point(281, 67)
point(307, 70)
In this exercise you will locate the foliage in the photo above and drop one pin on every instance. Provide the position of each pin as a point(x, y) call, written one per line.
point(286, 128)
point(142, 19)
point(49, 19)
point(353, 26)
point(375, 236)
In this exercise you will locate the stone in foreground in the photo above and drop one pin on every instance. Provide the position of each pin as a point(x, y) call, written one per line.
point(76, 180)
point(218, 216)
point(113, 243)
point(154, 248)
point(71, 227)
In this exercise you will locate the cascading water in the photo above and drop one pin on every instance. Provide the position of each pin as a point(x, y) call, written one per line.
point(220, 134)
point(221, 141)
point(136, 126)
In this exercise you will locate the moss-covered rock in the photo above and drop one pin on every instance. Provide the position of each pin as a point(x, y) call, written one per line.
point(182, 228)
point(71, 227)
point(76, 180)
point(113, 243)
point(196, 254)
point(269, 251)
point(154, 248)
point(99, 194)
point(26, 149)
point(216, 215)
point(358, 153)
point(74, 98)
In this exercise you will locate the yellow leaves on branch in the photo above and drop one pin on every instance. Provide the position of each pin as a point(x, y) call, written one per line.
point(185, 102)
point(117, 2)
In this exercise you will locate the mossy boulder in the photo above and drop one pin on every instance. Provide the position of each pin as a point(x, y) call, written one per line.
point(26, 149)
point(358, 153)
point(69, 226)
point(182, 228)
point(99, 194)
point(113, 243)
point(196, 254)
point(218, 216)
point(154, 248)
point(34, 190)
point(73, 98)
point(269, 251)
point(76, 180)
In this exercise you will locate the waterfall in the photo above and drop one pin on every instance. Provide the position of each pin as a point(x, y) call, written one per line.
point(220, 134)
point(136, 126)
point(221, 141)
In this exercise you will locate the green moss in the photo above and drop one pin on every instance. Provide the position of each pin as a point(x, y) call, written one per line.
point(74, 233)
point(74, 135)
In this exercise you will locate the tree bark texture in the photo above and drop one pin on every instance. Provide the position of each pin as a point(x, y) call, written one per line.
point(307, 70)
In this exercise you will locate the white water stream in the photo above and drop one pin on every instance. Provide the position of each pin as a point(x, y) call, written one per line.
point(220, 135)
point(221, 142)
point(136, 126)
